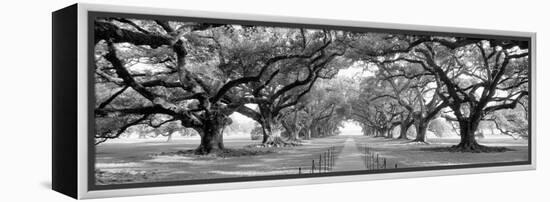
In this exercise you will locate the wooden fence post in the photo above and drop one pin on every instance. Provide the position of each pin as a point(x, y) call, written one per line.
point(333, 157)
point(320, 159)
point(367, 161)
point(366, 164)
point(372, 161)
point(324, 161)
point(377, 162)
point(329, 159)
point(312, 166)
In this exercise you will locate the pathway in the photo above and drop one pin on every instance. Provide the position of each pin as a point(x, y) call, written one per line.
point(350, 158)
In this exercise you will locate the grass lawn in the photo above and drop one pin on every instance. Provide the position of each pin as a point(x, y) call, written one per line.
point(154, 161)
point(118, 163)
point(419, 155)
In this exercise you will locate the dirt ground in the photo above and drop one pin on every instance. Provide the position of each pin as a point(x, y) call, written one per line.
point(119, 163)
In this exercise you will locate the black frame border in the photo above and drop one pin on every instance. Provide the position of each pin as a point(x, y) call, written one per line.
point(64, 130)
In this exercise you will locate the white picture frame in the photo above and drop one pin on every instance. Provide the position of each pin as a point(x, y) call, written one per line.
point(81, 164)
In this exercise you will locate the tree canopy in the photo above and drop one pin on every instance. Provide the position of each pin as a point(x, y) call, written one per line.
point(170, 75)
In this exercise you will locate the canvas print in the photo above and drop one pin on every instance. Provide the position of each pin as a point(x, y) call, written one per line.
point(192, 100)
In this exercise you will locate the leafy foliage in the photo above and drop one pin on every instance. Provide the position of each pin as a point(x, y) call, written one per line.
point(162, 77)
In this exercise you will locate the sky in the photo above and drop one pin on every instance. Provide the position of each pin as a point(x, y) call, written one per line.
point(358, 69)
point(350, 128)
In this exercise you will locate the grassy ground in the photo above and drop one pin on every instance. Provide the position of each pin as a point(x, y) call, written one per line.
point(118, 163)
point(417, 155)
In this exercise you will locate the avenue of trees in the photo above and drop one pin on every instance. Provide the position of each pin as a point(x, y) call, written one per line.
point(168, 76)
point(477, 79)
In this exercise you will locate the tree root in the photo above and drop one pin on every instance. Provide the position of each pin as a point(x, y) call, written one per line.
point(203, 151)
point(417, 142)
point(279, 142)
point(220, 153)
point(476, 148)
point(470, 148)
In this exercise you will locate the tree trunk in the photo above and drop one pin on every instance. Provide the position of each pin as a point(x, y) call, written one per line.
point(211, 135)
point(383, 133)
point(468, 141)
point(390, 131)
point(294, 135)
point(211, 140)
point(421, 128)
point(313, 131)
point(272, 135)
point(273, 138)
point(403, 128)
point(293, 132)
point(308, 134)
point(265, 136)
point(319, 132)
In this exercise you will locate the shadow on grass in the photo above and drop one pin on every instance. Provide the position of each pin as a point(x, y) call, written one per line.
point(481, 149)
point(224, 153)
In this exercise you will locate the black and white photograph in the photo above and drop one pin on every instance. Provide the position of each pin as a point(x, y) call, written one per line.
point(192, 100)
point(275, 101)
